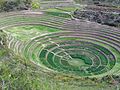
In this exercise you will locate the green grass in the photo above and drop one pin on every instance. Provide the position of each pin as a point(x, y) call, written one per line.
point(3, 52)
point(62, 9)
point(60, 14)
point(29, 31)
point(69, 9)
point(19, 74)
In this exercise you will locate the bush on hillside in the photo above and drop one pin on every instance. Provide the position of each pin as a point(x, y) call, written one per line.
point(15, 5)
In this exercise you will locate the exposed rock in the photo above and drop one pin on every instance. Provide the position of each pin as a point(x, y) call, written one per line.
point(102, 17)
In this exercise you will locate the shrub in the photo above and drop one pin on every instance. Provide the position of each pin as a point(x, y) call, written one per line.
point(15, 5)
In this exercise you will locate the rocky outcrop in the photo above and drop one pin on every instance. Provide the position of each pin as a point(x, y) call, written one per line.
point(102, 17)
point(2, 38)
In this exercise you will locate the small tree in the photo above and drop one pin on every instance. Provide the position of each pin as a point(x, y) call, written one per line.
point(1, 4)
point(35, 5)
point(13, 5)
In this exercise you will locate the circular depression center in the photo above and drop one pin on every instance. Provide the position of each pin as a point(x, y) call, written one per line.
point(75, 53)
point(77, 57)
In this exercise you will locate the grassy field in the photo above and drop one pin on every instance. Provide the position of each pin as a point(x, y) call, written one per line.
point(31, 46)
point(26, 32)
point(20, 74)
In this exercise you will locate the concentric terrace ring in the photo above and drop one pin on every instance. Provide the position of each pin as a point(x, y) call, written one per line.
point(83, 51)
point(78, 53)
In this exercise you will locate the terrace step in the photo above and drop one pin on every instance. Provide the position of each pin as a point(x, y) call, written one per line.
point(57, 52)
